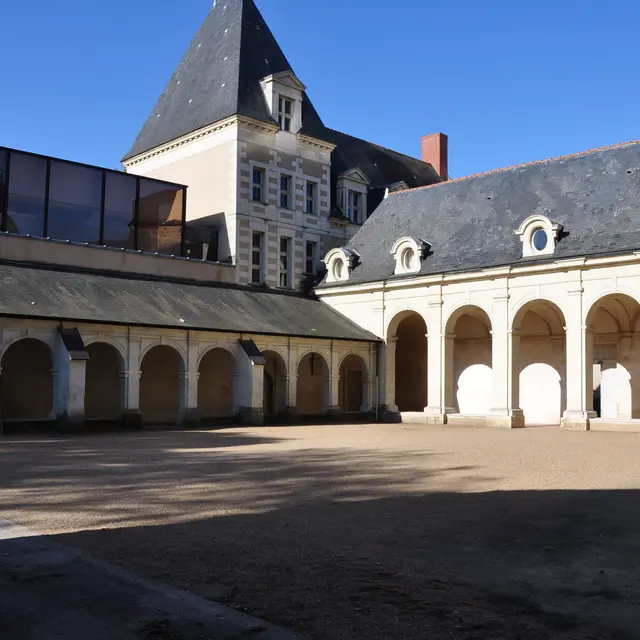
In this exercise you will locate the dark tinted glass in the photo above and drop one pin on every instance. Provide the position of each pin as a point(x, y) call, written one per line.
point(75, 195)
point(4, 159)
point(120, 202)
point(27, 185)
point(160, 217)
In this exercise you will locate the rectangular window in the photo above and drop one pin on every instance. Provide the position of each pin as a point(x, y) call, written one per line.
point(285, 192)
point(285, 280)
point(257, 270)
point(310, 260)
point(285, 113)
point(355, 207)
point(257, 193)
point(160, 217)
point(27, 190)
point(310, 199)
point(119, 210)
point(75, 195)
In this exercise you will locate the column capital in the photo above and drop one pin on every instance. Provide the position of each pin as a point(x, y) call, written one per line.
point(392, 339)
point(575, 292)
point(503, 298)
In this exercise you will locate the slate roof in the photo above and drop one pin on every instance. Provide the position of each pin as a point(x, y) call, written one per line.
point(35, 291)
point(471, 222)
point(219, 77)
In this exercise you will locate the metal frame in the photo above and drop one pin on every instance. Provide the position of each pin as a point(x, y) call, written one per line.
point(4, 201)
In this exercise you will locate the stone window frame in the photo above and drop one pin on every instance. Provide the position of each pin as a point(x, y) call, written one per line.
point(408, 254)
point(527, 230)
point(340, 263)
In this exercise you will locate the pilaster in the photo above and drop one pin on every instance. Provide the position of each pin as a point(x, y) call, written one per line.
point(505, 344)
point(579, 367)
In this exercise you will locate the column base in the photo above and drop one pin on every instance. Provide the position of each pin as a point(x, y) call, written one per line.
point(132, 420)
point(437, 415)
point(505, 418)
point(577, 420)
point(389, 414)
point(251, 416)
point(334, 412)
point(70, 424)
point(191, 418)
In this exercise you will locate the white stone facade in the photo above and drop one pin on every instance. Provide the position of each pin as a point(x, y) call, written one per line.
point(513, 346)
point(216, 163)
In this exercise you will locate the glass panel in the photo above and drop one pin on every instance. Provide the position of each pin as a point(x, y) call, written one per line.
point(4, 159)
point(120, 203)
point(75, 195)
point(160, 217)
point(27, 185)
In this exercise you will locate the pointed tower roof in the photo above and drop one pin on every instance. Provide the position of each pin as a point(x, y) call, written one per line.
point(219, 76)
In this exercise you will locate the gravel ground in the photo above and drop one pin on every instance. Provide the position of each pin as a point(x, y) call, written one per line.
point(360, 531)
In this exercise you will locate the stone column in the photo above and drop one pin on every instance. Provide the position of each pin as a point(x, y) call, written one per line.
point(254, 414)
point(388, 371)
point(132, 417)
point(191, 416)
point(436, 410)
point(448, 381)
point(333, 384)
point(69, 380)
point(292, 384)
point(505, 344)
point(579, 367)
point(183, 391)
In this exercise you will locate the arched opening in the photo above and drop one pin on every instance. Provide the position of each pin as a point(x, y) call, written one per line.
point(468, 388)
point(410, 362)
point(612, 322)
point(215, 384)
point(161, 385)
point(104, 385)
point(275, 385)
point(313, 392)
point(26, 389)
point(352, 391)
point(540, 362)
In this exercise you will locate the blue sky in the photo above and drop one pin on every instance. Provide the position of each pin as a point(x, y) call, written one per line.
point(509, 82)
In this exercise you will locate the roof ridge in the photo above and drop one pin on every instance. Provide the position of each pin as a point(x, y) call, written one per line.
point(375, 144)
point(523, 164)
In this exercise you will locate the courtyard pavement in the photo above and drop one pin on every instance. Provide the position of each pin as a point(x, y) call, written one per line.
point(358, 531)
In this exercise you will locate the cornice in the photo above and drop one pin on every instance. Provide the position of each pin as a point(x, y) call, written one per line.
point(180, 142)
point(492, 273)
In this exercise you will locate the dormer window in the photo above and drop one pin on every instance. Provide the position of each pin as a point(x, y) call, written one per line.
point(409, 253)
point(539, 236)
point(354, 207)
point(340, 262)
point(285, 113)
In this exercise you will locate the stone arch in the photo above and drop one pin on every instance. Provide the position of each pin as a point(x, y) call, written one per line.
point(275, 384)
point(26, 386)
point(539, 360)
point(104, 382)
point(353, 384)
point(216, 373)
point(468, 360)
point(313, 389)
point(171, 345)
point(407, 333)
point(612, 320)
point(162, 388)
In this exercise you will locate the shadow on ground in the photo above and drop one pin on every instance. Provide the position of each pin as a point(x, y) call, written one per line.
point(339, 543)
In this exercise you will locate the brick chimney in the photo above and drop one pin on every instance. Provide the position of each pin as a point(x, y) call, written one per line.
point(435, 151)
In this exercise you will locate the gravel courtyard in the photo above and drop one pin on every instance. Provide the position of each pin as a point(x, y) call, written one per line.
point(358, 531)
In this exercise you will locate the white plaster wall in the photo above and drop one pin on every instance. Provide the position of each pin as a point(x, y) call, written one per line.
point(546, 394)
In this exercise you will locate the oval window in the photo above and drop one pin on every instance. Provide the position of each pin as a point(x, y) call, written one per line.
point(338, 269)
point(540, 239)
point(407, 260)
